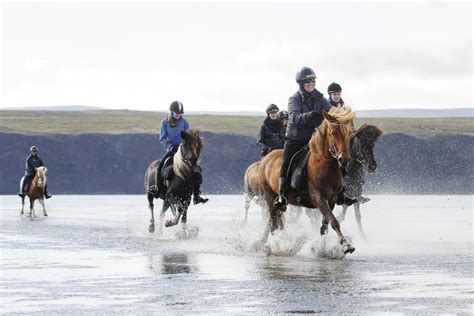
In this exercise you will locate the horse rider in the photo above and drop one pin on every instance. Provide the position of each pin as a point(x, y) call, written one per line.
point(272, 132)
point(32, 162)
point(334, 92)
point(305, 109)
point(283, 117)
point(170, 136)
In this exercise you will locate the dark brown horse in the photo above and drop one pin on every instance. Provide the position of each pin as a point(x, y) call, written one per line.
point(35, 192)
point(179, 188)
point(362, 157)
point(329, 147)
point(252, 188)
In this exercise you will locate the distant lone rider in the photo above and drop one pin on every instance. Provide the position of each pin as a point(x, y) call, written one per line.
point(170, 136)
point(32, 162)
point(272, 132)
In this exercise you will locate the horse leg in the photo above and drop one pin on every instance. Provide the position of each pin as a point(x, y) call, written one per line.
point(175, 221)
point(22, 205)
point(248, 199)
point(331, 219)
point(164, 208)
point(342, 215)
point(44, 208)
point(151, 206)
point(32, 210)
point(359, 220)
point(324, 226)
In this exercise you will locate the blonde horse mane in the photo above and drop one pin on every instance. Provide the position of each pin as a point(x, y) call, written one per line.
point(41, 173)
point(341, 116)
point(180, 167)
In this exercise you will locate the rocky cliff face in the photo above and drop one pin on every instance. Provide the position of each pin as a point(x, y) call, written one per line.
point(115, 164)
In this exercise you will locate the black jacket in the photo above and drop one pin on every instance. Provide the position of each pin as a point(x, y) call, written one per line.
point(31, 163)
point(271, 135)
point(302, 122)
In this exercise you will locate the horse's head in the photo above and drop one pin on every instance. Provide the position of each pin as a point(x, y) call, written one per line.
point(362, 145)
point(338, 125)
point(40, 173)
point(191, 146)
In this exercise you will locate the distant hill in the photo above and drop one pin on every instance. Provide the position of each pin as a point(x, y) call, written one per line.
point(386, 113)
point(125, 121)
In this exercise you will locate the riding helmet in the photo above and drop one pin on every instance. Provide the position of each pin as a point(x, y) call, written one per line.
point(305, 74)
point(334, 87)
point(177, 107)
point(283, 115)
point(272, 108)
point(33, 148)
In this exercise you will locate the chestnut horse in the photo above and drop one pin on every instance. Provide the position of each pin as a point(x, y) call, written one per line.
point(179, 188)
point(329, 151)
point(35, 191)
point(251, 188)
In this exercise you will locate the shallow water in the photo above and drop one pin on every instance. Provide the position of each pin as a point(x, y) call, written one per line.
point(93, 254)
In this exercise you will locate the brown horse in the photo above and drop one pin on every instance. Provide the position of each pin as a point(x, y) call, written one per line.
point(36, 191)
point(252, 188)
point(329, 147)
point(179, 188)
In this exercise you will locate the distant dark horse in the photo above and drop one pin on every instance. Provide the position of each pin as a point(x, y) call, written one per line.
point(329, 148)
point(362, 155)
point(35, 191)
point(179, 188)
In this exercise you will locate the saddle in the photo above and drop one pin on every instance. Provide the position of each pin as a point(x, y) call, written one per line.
point(297, 172)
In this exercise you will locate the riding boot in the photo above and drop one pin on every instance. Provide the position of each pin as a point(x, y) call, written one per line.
point(197, 196)
point(343, 199)
point(46, 194)
point(363, 199)
point(281, 201)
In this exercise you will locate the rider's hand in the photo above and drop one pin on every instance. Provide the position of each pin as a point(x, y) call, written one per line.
point(314, 114)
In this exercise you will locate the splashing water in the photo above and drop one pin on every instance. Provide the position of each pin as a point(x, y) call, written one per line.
point(328, 247)
point(280, 243)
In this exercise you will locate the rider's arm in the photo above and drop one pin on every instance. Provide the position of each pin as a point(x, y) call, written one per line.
point(164, 135)
point(297, 117)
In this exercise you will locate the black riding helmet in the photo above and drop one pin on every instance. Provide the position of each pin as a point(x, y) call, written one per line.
point(334, 87)
point(283, 115)
point(272, 108)
point(177, 107)
point(33, 148)
point(305, 74)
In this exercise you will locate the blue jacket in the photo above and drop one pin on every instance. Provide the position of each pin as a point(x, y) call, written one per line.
point(301, 124)
point(171, 136)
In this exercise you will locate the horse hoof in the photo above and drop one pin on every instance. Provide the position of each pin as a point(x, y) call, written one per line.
point(168, 223)
point(151, 228)
point(348, 249)
point(324, 230)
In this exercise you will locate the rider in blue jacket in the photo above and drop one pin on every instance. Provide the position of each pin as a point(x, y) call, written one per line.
point(170, 136)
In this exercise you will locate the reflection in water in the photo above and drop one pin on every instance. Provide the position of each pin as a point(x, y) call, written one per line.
point(175, 263)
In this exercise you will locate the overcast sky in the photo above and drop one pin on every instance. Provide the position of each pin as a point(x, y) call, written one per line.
point(234, 56)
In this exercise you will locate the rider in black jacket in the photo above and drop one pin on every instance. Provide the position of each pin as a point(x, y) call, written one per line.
point(272, 132)
point(32, 162)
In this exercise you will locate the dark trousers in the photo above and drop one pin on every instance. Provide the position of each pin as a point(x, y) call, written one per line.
point(27, 181)
point(291, 147)
point(169, 153)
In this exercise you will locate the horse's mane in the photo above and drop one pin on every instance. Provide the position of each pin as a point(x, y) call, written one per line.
point(368, 134)
point(41, 172)
point(180, 167)
point(343, 116)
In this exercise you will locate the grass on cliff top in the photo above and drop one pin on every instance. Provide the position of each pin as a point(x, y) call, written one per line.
point(124, 121)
